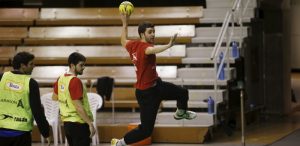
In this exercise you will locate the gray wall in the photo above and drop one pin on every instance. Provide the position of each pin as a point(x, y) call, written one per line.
point(287, 21)
point(295, 34)
point(270, 81)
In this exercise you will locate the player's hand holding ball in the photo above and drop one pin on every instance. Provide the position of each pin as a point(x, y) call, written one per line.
point(126, 7)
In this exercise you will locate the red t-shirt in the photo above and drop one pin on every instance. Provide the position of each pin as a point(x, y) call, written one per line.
point(75, 88)
point(145, 65)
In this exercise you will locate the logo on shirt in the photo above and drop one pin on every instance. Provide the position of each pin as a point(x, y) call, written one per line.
point(134, 58)
point(19, 103)
point(5, 116)
point(14, 86)
point(14, 118)
point(62, 88)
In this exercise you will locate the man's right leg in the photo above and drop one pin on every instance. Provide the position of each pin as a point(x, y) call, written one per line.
point(149, 104)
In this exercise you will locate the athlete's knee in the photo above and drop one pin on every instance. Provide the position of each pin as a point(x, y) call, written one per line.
point(147, 132)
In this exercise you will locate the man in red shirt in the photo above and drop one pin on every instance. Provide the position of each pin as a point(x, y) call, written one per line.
point(150, 89)
point(73, 103)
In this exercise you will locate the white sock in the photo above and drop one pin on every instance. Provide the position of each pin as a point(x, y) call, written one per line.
point(121, 142)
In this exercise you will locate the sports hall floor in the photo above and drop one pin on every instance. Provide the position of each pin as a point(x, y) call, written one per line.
point(260, 133)
point(257, 134)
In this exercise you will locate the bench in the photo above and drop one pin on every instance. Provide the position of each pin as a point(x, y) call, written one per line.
point(45, 90)
point(120, 93)
point(7, 68)
point(210, 34)
point(217, 15)
point(123, 75)
point(47, 55)
point(12, 35)
point(201, 55)
point(18, 16)
point(227, 4)
point(6, 54)
point(123, 97)
point(111, 16)
point(109, 35)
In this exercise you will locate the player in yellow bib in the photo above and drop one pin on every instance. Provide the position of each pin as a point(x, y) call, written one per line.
point(73, 103)
point(19, 103)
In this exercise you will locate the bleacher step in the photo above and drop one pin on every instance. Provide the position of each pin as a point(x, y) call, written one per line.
point(217, 15)
point(201, 55)
point(191, 104)
point(197, 82)
point(203, 51)
point(202, 120)
point(203, 73)
point(197, 97)
point(225, 3)
point(161, 133)
point(196, 60)
point(200, 95)
point(210, 34)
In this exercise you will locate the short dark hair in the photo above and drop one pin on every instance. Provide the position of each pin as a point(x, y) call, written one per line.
point(21, 57)
point(143, 26)
point(75, 58)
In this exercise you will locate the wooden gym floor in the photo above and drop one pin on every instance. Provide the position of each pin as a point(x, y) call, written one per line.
point(257, 134)
point(260, 133)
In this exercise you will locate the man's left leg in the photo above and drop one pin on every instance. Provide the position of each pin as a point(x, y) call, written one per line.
point(170, 91)
point(79, 133)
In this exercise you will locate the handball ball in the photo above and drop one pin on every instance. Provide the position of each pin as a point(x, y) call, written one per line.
point(126, 7)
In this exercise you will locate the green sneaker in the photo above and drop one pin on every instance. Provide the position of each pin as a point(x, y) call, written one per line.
point(184, 114)
point(114, 142)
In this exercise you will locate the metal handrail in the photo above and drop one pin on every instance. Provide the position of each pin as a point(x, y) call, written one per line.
point(224, 27)
point(229, 16)
point(220, 36)
point(226, 50)
point(236, 5)
point(244, 11)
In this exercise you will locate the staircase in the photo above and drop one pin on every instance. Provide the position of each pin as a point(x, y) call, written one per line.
point(198, 73)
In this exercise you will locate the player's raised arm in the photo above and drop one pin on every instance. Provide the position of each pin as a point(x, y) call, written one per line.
point(125, 9)
point(124, 34)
